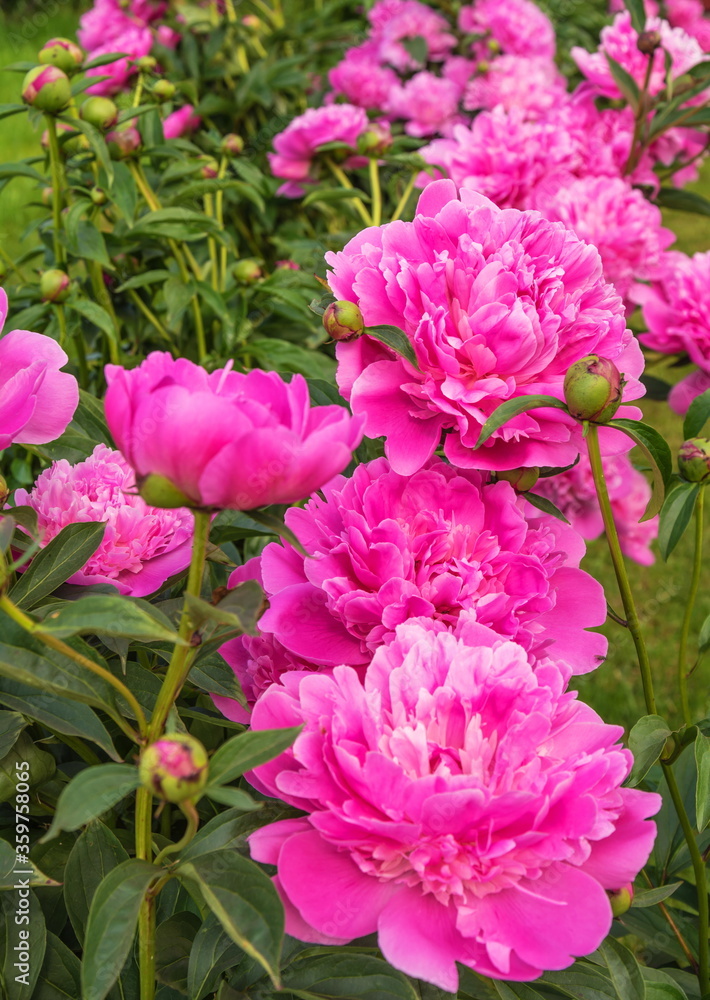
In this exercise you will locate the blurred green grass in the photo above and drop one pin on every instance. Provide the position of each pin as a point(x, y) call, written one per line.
point(614, 689)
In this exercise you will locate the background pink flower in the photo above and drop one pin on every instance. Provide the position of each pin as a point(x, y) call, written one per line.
point(531, 84)
point(518, 26)
point(428, 103)
point(142, 546)
point(395, 21)
point(361, 79)
point(181, 122)
point(458, 803)
point(676, 308)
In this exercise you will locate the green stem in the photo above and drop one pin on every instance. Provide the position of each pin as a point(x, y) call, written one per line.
point(700, 880)
point(376, 191)
point(104, 299)
point(219, 215)
point(193, 822)
point(617, 559)
point(11, 263)
point(344, 181)
point(637, 145)
point(214, 259)
point(149, 315)
point(689, 608)
point(402, 203)
point(55, 165)
point(146, 917)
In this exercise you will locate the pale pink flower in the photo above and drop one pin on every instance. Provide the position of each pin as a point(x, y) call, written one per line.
point(396, 21)
point(441, 543)
point(142, 546)
point(534, 85)
point(428, 103)
point(181, 122)
point(37, 400)
point(361, 79)
point(458, 803)
point(496, 304)
point(518, 26)
point(296, 147)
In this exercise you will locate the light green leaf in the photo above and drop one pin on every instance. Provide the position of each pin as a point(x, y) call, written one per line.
point(90, 794)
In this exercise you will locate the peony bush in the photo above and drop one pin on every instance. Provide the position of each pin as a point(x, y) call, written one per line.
point(339, 338)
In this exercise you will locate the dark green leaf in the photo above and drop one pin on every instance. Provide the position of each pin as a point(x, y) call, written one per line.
point(143, 279)
point(20, 982)
point(96, 852)
point(56, 562)
point(175, 223)
point(280, 355)
point(656, 388)
point(88, 244)
point(173, 943)
point(130, 618)
point(90, 794)
point(348, 975)
point(226, 829)
point(235, 798)
point(328, 194)
point(396, 339)
point(676, 513)
point(646, 742)
point(12, 868)
point(513, 408)
point(247, 750)
point(697, 415)
point(704, 636)
point(546, 506)
point(96, 314)
point(60, 975)
point(97, 143)
point(638, 14)
point(702, 788)
point(240, 608)
point(624, 81)
point(657, 452)
point(213, 675)
point(112, 925)
point(651, 897)
point(7, 110)
point(11, 725)
point(624, 970)
point(213, 952)
point(683, 201)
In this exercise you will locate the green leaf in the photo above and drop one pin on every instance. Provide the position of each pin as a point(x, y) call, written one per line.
point(7, 110)
point(112, 925)
point(95, 314)
point(348, 975)
point(273, 354)
point(697, 415)
point(624, 970)
point(175, 223)
point(173, 942)
point(657, 452)
point(245, 902)
point(545, 505)
point(651, 897)
point(60, 975)
point(397, 341)
point(704, 637)
point(96, 852)
point(646, 742)
point(11, 725)
point(16, 988)
point(56, 562)
point(624, 81)
point(141, 280)
point(235, 798)
point(213, 675)
point(90, 794)
point(676, 513)
point(130, 618)
point(683, 201)
point(328, 194)
point(11, 869)
point(87, 243)
point(98, 145)
point(513, 408)
point(247, 750)
point(240, 608)
point(702, 788)
point(661, 986)
point(638, 14)
point(213, 952)
point(226, 829)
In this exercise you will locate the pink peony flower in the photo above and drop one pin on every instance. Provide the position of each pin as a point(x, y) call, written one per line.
point(37, 400)
point(361, 79)
point(428, 103)
point(496, 304)
point(618, 220)
point(683, 394)
point(385, 547)
point(676, 308)
point(619, 41)
point(181, 122)
point(226, 439)
point(518, 26)
point(691, 17)
point(574, 493)
point(297, 145)
point(106, 28)
point(142, 546)
point(396, 21)
point(534, 85)
point(458, 802)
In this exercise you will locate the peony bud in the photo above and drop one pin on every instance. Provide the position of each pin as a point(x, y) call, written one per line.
point(101, 112)
point(71, 142)
point(648, 42)
point(232, 145)
point(47, 195)
point(493, 46)
point(174, 767)
point(4, 491)
point(343, 320)
point(63, 53)
point(146, 64)
point(99, 196)
point(252, 22)
point(694, 460)
point(593, 389)
point(521, 479)
point(621, 899)
point(247, 271)
point(164, 90)
point(210, 168)
point(158, 491)
point(54, 286)
point(123, 142)
point(375, 141)
point(47, 88)
point(483, 66)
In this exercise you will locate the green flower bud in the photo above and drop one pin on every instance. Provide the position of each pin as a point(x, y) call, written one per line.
point(71, 142)
point(343, 320)
point(163, 90)
point(101, 112)
point(521, 479)
point(174, 768)
point(232, 145)
point(158, 491)
point(621, 899)
point(47, 195)
point(493, 46)
point(123, 142)
point(4, 491)
point(99, 196)
point(63, 53)
point(47, 88)
point(210, 168)
point(593, 389)
point(54, 286)
point(375, 141)
point(146, 64)
point(247, 271)
point(694, 460)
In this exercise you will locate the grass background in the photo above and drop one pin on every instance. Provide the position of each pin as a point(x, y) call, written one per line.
point(614, 689)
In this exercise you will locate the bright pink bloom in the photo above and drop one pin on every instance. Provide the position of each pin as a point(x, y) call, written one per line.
point(142, 546)
point(458, 802)
point(691, 17)
point(683, 394)
point(618, 220)
point(428, 103)
point(109, 28)
point(574, 493)
point(676, 308)
point(385, 547)
point(619, 41)
point(496, 304)
point(361, 79)
point(534, 85)
point(226, 439)
point(518, 26)
point(297, 146)
point(181, 122)
point(37, 400)
point(396, 21)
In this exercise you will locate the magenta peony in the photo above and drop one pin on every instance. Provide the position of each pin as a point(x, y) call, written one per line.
point(533, 85)
point(297, 145)
point(361, 79)
point(142, 546)
point(428, 103)
point(37, 400)
point(518, 27)
point(385, 547)
point(181, 122)
point(396, 21)
point(107, 28)
point(496, 304)
point(684, 392)
point(457, 802)
point(676, 308)
point(226, 439)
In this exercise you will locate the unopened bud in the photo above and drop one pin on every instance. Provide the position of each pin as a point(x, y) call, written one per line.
point(174, 768)
point(522, 479)
point(376, 140)
point(47, 88)
point(483, 66)
point(123, 142)
point(164, 90)
point(47, 195)
point(71, 142)
point(247, 271)
point(210, 169)
point(4, 491)
point(287, 265)
point(101, 112)
point(343, 320)
point(621, 899)
point(54, 286)
point(232, 145)
point(252, 22)
point(146, 64)
point(593, 389)
point(648, 42)
point(694, 460)
point(158, 491)
point(493, 46)
point(63, 53)
point(99, 196)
